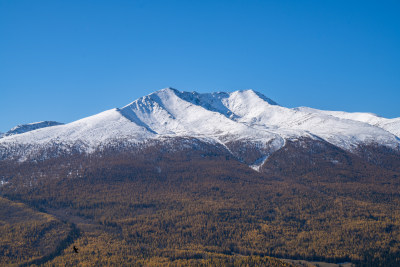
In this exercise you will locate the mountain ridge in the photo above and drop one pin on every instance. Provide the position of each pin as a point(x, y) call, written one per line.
point(23, 128)
point(219, 117)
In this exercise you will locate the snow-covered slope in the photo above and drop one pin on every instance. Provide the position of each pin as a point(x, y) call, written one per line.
point(23, 128)
point(390, 125)
point(167, 112)
point(89, 132)
point(241, 116)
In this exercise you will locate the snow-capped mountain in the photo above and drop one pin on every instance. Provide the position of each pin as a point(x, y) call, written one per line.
point(23, 128)
point(247, 117)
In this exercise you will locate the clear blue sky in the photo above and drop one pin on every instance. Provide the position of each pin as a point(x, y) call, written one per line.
point(64, 60)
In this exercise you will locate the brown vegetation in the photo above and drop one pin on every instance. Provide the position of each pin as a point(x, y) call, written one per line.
point(200, 206)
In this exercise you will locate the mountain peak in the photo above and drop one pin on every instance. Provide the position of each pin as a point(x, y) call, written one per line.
point(23, 128)
point(250, 93)
point(168, 89)
point(263, 97)
point(215, 101)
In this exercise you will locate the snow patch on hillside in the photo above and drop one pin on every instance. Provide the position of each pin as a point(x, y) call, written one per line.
point(257, 165)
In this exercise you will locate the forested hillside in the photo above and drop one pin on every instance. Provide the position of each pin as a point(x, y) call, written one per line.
point(198, 205)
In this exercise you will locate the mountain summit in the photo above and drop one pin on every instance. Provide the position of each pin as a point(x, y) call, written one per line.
point(23, 128)
point(222, 118)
